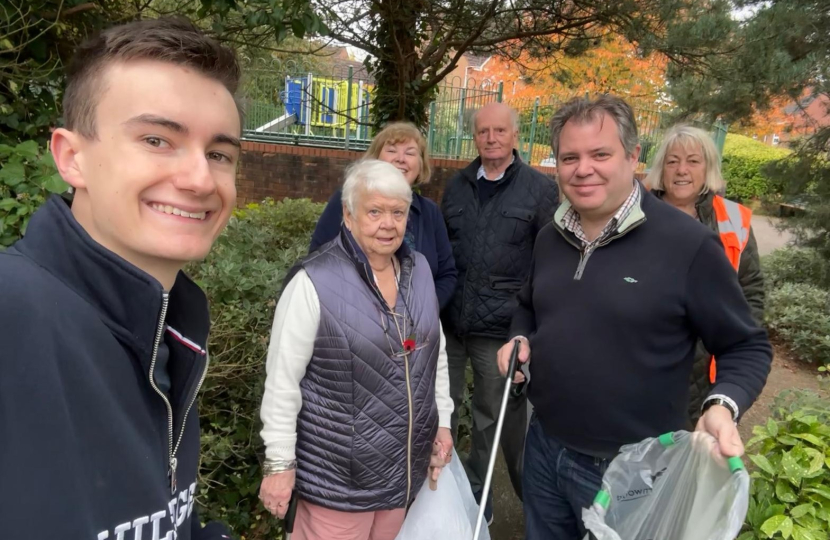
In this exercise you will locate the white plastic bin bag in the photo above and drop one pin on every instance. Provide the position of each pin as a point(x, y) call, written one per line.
point(448, 513)
point(675, 487)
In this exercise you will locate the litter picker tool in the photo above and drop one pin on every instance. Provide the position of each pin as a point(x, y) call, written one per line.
point(511, 370)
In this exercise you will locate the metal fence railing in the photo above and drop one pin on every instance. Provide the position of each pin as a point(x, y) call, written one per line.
point(292, 105)
point(448, 132)
point(534, 129)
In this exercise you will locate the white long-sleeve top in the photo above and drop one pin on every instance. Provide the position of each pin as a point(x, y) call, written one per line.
point(289, 353)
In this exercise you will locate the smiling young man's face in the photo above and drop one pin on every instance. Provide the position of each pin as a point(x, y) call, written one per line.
point(156, 185)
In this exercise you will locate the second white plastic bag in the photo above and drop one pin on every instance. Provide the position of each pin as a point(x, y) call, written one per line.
point(448, 513)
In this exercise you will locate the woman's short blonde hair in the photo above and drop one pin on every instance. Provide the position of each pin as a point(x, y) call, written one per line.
point(689, 138)
point(398, 132)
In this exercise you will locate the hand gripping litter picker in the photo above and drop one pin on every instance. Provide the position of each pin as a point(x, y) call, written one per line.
point(511, 370)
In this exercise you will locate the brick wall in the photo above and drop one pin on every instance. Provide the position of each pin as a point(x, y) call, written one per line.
point(280, 171)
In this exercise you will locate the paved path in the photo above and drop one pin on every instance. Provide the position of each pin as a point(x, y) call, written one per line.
point(768, 236)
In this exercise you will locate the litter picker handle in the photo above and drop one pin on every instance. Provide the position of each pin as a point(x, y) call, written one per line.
point(290, 514)
point(513, 365)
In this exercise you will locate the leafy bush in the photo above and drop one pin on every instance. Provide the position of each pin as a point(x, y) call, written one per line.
point(243, 278)
point(790, 494)
point(795, 265)
point(798, 314)
point(743, 161)
point(27, 177)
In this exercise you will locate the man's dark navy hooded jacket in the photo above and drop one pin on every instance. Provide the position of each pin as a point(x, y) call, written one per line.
point(85, 433)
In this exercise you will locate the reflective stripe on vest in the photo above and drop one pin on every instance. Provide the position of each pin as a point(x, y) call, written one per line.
point(733, 225)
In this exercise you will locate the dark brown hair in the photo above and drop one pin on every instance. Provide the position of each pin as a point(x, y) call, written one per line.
point(583, 110)
point(169, 39)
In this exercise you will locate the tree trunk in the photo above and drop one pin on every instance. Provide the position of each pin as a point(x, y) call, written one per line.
point(397, 69)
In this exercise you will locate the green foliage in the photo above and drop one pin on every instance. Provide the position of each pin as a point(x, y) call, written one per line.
point(798, 301)
point(790, 494)
point(27, 177)
point(37, 38)
point(795, 265)
point(779, 50)
point(743, 163)
point(243, 277)
point(799, 314)
point(279, 18)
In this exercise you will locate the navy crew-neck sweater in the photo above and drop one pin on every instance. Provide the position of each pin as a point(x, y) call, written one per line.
point(612, 351)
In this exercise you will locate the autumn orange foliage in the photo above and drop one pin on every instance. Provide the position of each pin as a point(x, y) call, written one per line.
point(614, 66)
point(762, 125)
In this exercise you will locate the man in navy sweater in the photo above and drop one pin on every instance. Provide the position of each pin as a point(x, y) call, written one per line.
point(620, 288)
point(103, 337)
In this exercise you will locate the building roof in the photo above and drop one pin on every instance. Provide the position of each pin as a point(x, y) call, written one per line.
point(805, 102)
point(341, 61)
point(475, 61)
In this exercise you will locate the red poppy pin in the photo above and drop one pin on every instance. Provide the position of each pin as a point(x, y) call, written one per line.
point(409, 343)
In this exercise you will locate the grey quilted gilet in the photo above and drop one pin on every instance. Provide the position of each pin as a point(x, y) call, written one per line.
point(369, 416)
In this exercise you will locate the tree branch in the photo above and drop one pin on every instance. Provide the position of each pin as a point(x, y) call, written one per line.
point(71, 11)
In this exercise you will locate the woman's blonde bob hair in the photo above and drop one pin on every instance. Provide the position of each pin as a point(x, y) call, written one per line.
point(398, 132)
point(690, 139)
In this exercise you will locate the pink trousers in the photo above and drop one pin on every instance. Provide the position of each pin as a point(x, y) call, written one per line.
point(317, 523)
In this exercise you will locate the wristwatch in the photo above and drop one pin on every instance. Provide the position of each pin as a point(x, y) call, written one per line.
point(725, 401)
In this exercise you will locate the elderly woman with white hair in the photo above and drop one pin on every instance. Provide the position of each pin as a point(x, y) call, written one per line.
point(686, 174)
point(356, 410)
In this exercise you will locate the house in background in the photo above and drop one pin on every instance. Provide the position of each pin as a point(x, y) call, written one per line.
point(343, 58)
point(470, 73)
point(808, 116)
point(798, 119)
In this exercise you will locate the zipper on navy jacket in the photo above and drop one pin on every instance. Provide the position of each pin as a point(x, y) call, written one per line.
point(171, 449)
point(584, 255)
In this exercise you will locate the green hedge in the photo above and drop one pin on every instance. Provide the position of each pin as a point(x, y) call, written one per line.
point(743, 161)
point(795, 265)
point(798, 302)
point(243, 277)
point(798, 314)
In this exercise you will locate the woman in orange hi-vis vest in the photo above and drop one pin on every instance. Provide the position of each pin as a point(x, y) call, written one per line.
point(686, 174)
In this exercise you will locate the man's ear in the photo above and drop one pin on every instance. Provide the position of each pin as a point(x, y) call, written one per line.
point(635, 157)
point(66, 146)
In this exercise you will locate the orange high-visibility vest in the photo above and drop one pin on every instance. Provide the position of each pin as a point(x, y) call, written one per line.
point(733, 225)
